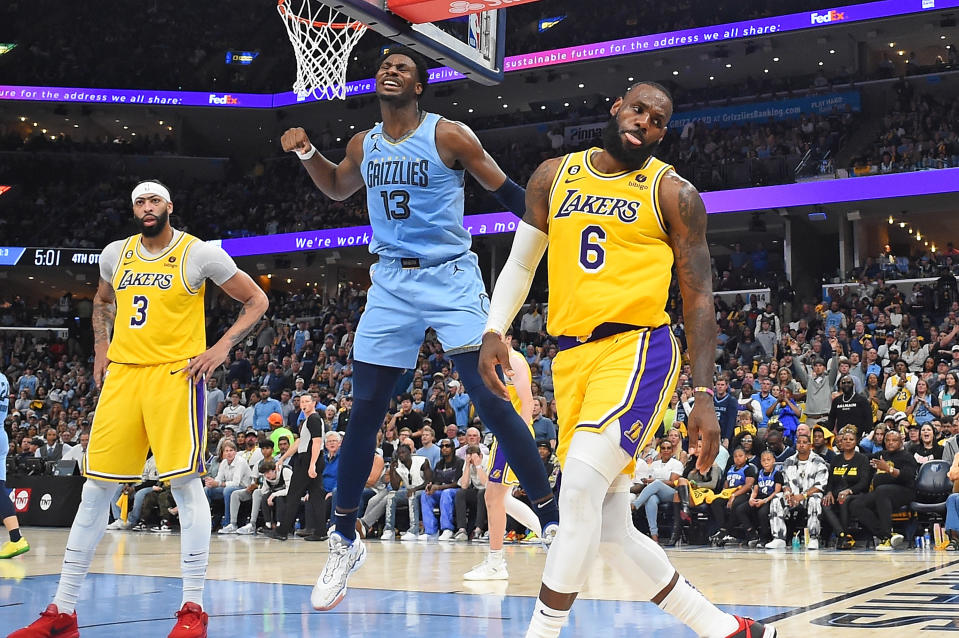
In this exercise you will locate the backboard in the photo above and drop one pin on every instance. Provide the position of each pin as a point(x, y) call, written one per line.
point(473, 44)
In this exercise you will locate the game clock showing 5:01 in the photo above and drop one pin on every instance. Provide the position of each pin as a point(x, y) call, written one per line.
point(48, 257)
point(53, 257)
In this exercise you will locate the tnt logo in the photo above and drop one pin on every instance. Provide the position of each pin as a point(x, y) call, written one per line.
point(225, 99)
point(21, 499)
point(826, 18)
point(45, 502)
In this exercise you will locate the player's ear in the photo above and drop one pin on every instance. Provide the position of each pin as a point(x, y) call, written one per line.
point(614, 109)
point(419, 89)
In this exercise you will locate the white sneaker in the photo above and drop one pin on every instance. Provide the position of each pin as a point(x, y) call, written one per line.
point(896, 540)
point(424, 537)
point(776, 543)
point(447, 535)
point(344, 559)
point(549, 534)
point(388, 535)
point(488, 570)
point(813, 543)
point(229, 529)
point(461, 536)
point(116, 524)
point(246, 529)
point(409, 536)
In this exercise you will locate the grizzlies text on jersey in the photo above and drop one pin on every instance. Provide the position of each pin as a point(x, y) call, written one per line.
point(415, 201)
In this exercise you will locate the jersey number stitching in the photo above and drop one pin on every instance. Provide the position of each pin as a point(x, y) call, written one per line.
point(140, 303)
point(401, 204)
point(592, 255)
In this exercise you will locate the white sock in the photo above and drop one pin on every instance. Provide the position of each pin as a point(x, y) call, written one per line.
point(194, 512)
point(688, 605)
point(497, 556)
point(546, 622)
point(523, 514)
point(88, 527)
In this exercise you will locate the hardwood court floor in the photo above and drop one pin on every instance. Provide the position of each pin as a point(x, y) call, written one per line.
point(260, 587)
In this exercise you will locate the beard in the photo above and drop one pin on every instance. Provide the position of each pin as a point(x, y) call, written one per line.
point(157, 228)
point(633, 158)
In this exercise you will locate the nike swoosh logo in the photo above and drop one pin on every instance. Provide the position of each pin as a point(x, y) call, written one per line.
point(549, 615)
point(575, 179)
point(127, 263)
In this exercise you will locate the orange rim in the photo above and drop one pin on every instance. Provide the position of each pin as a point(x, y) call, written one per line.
point(318, 25)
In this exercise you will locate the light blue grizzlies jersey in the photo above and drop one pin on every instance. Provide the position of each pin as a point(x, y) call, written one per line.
point(415, 201)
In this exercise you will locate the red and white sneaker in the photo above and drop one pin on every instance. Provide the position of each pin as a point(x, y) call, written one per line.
point(51, 623)
point(749, 628)
point(191, 622)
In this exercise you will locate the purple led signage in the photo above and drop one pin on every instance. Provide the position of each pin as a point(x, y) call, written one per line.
point(595, 51)
point(330, 238)
point(732, 201)
point(135, 96)
point(834, 191)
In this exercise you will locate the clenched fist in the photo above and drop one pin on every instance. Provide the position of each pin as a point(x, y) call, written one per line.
point(295, 139)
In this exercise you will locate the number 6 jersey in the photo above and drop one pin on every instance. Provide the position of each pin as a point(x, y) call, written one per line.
point(610, 259)
point(414, 200)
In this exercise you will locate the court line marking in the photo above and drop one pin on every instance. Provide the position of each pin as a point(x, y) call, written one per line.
point(859, 592)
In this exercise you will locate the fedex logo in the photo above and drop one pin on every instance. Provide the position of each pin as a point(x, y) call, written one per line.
point(226, 99)
point(825, 18)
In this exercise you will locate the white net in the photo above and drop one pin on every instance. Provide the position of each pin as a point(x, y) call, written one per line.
point(322, 40)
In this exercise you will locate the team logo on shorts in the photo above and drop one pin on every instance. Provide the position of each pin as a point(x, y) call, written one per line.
point(495, 475)
point(635, 431)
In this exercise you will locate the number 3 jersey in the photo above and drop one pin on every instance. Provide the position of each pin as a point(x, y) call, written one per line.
point(610, 259)
point(414, 200)
point(159, 298)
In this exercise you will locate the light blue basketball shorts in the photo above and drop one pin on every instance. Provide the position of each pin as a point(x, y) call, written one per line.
point(402, 303)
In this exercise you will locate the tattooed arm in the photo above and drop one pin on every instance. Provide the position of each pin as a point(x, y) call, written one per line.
point(242, 288)
point(104, 313)
point(685, 217)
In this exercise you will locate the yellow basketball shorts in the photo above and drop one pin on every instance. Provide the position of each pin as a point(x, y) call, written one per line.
point(144, 407)
point(627, 378)
point(497, 469)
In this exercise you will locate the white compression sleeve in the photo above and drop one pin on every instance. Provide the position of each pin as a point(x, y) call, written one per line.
point(88, 527)
point(194, 511)
point(512, 285)
point(522, 513)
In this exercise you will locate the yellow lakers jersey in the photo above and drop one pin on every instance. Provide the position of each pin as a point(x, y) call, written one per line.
point(520, 366)
point(609, 253)
point(159, 318)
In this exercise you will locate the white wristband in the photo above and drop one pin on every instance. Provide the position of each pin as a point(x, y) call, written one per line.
point(307, 155)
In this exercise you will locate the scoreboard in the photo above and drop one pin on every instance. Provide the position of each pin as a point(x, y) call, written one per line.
point(48, 257)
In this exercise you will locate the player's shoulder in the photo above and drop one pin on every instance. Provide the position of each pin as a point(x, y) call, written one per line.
point(114, 247)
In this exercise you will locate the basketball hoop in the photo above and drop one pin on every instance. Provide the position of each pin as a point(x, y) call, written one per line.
point(322, 40)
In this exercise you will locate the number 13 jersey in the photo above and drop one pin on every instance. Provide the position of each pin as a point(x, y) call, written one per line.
point(609, 257)
point(415, 201)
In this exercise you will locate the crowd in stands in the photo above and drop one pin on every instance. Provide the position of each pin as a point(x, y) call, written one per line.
point(274, 196)
point(921, 132)
point(188, 52)
point(865, 378)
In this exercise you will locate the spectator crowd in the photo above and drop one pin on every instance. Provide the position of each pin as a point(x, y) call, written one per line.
point(828, 411)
